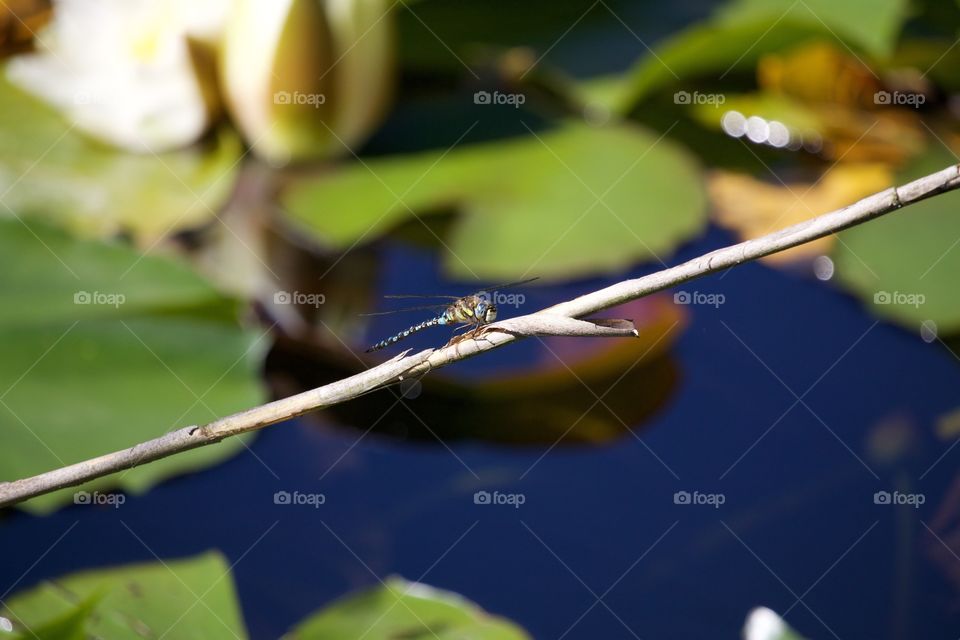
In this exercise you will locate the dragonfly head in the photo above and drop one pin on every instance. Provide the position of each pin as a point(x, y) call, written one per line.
point(486, 311)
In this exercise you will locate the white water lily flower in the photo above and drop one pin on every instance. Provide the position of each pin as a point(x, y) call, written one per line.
point(135, 73)
point(764, 624)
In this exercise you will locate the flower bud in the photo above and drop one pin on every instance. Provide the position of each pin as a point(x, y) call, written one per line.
point(305, 79)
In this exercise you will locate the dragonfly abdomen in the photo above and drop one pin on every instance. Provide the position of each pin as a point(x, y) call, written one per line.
point(426, 324)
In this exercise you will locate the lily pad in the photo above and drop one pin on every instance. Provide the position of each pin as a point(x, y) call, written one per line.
point(566, 202)
point(905, 264)
point(737, 37)
point(402, 609)
point(871, 25)
point(713, 50)
point(49, 169)
point(194, 597)
point(105, 348)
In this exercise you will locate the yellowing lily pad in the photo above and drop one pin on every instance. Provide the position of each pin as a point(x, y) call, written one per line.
point(829, 101)
point(50, 170)
point(570, 201)
point(105, 348)
point(802, 88)
point(402, 609)
point(178, 598)
point(819, 72)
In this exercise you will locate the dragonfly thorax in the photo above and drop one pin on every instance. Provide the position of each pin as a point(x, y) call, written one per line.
point(471, 309)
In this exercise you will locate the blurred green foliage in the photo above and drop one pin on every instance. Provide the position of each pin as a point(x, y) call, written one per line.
point(560, 203)
point(151, 599)
point(104, 348)
point(196, 597)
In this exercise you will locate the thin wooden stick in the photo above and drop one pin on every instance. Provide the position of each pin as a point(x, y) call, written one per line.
point(492, 336)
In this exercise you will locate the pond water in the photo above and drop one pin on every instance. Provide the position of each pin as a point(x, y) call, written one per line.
point(794, 407)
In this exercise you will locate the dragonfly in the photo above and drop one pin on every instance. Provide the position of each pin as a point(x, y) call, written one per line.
point(471, 311)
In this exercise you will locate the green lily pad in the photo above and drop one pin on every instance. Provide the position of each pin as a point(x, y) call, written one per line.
point(905, 264)
point(602, 95)
point(713, 50)
point(745, 30)
point(527, 205)
point(401, 609)
point(193, 598)
point(105, 348)
point(871, 25)
point(49, 169)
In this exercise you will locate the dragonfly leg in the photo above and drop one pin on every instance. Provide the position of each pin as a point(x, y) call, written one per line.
point(474, 326)
point(463, 327)
point(467, 328)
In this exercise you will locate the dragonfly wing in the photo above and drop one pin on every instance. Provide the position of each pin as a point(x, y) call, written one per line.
point(509, 284)
point(423, 307)
point(420, 295)
point(448, 297)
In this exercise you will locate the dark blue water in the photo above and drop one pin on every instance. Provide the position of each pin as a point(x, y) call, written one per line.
point(798, 530)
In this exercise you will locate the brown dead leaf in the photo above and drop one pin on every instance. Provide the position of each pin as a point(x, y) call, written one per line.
point(19, 20)
point(753, 208)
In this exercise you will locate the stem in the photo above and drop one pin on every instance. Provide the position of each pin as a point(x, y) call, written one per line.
point(405, 366)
